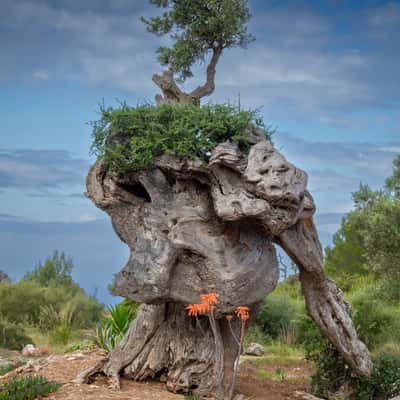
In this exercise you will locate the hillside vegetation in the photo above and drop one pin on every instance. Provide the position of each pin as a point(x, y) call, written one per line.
point(46, 306)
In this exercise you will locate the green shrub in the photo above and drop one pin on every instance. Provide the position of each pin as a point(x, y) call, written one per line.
point(21, 302)
point(82, 310)
point(279, 315)
point(27, 388)
point(384, 383)
point(375, 319)
point(43, 307)
point(331, 372)
point(61, 334)
point(257, 335)
point(129, 138)
point(4, 369)
point(12, 336)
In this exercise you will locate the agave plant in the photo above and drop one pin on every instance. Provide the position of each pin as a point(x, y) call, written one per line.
point(111, 329)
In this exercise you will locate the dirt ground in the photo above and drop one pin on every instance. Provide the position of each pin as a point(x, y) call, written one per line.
point(258, 379)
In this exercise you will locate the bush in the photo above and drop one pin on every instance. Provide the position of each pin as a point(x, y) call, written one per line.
point(21, 302)
point(27, 388)
point(279, 316)
point(27, 302)
point(331, 372)
point(257, 335)
point(375, 319)
point(129, 138)
point(12, 336)
point(384, 383)
point(5, 369)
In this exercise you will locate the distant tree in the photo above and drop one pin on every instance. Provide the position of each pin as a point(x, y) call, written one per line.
point(392, 183)
point(56, 270)
point(198, 28)
point(368, 240)
point(4, 277)
point(364, 196)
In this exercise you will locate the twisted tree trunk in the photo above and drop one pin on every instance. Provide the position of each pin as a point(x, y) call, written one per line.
point(195, 229)
point(163, 343)
point(171, 93)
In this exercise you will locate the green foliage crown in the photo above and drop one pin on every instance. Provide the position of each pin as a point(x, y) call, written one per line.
point(130, 138)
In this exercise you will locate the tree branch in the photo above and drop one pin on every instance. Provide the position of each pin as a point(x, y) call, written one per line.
point(171, 93)
point(170, 90)
point(209, 86)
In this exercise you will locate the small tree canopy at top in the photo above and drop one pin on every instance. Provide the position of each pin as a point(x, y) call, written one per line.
point(199, 28)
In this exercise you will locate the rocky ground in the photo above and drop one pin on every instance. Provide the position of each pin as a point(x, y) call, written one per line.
point(260, 378)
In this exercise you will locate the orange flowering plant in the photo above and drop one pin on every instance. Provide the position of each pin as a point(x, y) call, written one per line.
point(207, 306)
point(243, 313)
point(208, 302)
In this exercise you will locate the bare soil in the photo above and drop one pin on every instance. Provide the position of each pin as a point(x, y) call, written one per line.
point(257, 379)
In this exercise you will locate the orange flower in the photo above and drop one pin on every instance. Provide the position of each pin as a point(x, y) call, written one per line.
point(208, 304)
point(197, 309)
point(243, 313)
point(209, 298)
point(229, 317)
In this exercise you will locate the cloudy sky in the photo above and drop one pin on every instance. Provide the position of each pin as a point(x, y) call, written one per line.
point(324, 74)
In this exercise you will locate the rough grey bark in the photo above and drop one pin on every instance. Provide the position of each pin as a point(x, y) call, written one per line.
point(194, 229)
point(324, 300)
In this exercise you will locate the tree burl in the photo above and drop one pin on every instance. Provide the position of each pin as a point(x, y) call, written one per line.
point(196, 228)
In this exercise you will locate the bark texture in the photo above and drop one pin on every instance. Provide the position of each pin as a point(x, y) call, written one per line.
point(171, 93)
point(194, 229)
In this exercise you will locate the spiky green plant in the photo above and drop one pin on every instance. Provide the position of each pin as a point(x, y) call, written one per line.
point(111, 329)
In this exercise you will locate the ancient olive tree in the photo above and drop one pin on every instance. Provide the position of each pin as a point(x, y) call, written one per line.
point(201, 197)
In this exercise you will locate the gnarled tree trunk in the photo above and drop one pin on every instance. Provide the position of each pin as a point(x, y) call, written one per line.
point(195, 229)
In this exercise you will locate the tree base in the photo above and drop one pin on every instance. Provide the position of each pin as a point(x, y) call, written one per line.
point(164, 343)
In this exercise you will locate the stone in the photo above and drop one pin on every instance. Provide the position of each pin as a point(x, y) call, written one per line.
point(255, 349)
point(28, 350)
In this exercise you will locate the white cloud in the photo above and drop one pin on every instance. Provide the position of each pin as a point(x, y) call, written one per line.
point(40, 169)
point(40, 75)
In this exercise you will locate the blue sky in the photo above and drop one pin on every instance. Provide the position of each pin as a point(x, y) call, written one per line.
point(323, 73)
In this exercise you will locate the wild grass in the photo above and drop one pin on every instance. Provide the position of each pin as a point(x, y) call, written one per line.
point(278, 349)
point(45, 340)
